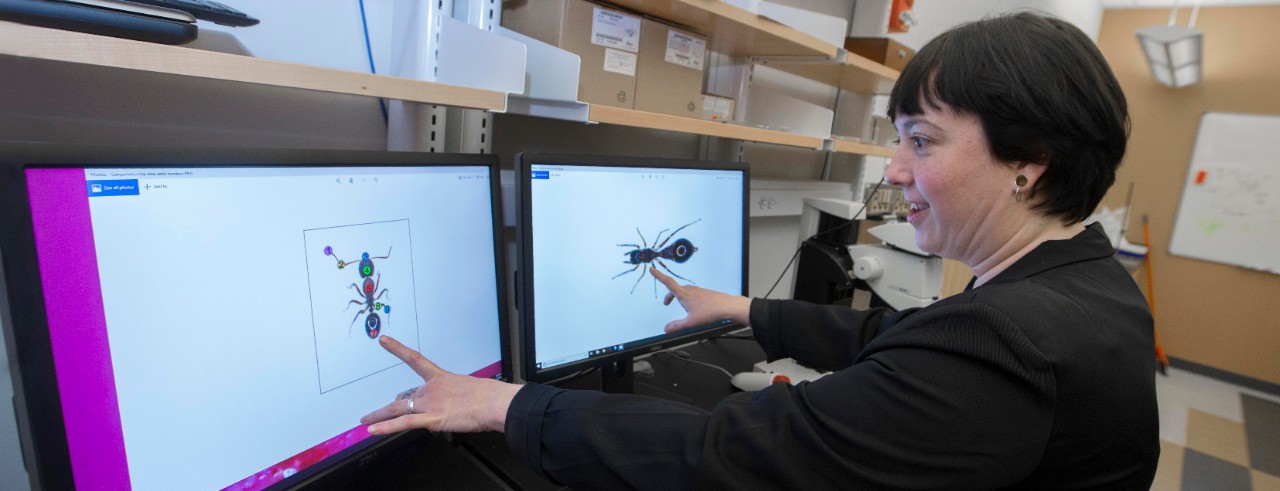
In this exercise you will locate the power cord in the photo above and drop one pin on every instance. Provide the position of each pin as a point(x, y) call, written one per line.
point(685, 356)
point(573, 376)
point(822, 232)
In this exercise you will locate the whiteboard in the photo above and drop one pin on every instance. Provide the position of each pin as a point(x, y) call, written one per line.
point(1230, 208)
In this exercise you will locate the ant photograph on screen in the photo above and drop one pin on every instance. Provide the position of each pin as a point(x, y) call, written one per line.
point(368, 292)
point(355, 273)
point(643, 255)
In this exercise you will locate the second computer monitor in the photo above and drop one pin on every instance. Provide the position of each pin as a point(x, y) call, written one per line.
point(590, 229)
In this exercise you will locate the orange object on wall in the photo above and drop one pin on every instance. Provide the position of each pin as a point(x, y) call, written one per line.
point(897, 20)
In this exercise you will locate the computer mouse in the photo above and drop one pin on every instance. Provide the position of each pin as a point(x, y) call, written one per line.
point(757, 380)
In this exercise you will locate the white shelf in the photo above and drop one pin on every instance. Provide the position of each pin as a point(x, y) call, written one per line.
point(641, 119)
point(18, 40)
point(73, 47)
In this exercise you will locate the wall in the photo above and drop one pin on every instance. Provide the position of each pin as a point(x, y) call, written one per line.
point(1208, 313)
point(936, 16)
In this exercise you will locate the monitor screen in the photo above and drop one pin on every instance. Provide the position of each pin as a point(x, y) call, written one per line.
point(590, 229)
point(215, 326)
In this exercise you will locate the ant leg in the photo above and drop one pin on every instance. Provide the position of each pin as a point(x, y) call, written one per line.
point(655, 239)
point(641, 277)
point(673, 273)
point(628, 245)
point(353, 320)
point(673, 234)
point(625, 272)
point(384, 290)
point(384, 257)
point(357, 302)
point(645, 242)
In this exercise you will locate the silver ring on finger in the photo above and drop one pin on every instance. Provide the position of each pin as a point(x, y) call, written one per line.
point(410, 405)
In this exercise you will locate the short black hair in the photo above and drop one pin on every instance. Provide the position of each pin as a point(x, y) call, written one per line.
point(1043, 92)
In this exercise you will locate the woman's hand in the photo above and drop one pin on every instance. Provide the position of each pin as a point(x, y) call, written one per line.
point(444, 402)
point(703, 306)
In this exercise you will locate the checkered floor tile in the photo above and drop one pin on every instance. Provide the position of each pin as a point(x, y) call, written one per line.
point(1216, 436)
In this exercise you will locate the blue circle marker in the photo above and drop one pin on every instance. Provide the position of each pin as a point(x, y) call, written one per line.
point(386, 309)
point(364, 257)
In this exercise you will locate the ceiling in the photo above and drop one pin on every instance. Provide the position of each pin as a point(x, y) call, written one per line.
point(1125, 4)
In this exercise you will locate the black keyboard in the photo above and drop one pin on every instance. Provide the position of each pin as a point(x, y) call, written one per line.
point(206, 10)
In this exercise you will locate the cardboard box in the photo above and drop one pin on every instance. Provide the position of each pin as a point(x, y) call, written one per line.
point(669, 78)
point(605, 38)
point(716, 108)
point(885, 51)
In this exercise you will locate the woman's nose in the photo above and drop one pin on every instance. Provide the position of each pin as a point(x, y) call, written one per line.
point(896, 174)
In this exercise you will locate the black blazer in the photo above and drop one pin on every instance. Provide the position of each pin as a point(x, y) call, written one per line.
point(1043, 378)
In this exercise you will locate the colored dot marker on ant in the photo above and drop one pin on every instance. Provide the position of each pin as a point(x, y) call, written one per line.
point(341, 264)
point(386, 309)
point(367, 270)
point(364, 257)
point(328, 251)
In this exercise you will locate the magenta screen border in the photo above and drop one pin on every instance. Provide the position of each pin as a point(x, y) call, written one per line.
point(77, 327)
point(72, 290)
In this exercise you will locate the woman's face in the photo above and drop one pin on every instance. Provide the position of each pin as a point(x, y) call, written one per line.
point(961, 195)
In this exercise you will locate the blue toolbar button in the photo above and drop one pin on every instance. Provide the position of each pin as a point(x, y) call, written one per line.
point(116, 187)
point(541, 174)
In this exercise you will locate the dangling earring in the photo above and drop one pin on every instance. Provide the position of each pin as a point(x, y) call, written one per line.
point(1021, 180)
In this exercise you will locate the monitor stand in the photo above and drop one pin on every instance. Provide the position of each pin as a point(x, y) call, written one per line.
point(618, 377)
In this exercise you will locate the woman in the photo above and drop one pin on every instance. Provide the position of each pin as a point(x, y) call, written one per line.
point(1038, 376)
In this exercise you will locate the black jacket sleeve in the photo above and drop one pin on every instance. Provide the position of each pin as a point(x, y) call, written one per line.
point(824, 336)
point(952, 398)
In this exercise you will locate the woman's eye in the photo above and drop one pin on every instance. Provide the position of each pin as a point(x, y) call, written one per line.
point(917, 142)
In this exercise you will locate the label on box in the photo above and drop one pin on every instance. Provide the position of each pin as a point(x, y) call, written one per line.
point(620, 62)
point(685, 50)
point(717, 108)
point(615, 30)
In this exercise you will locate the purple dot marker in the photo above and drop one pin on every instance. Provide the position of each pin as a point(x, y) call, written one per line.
point(328, 251)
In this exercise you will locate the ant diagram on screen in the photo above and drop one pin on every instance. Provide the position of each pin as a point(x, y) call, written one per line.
point(679, 251)
point(369, 301)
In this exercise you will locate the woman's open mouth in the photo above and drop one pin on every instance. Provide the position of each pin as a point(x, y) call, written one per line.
point(916, 209)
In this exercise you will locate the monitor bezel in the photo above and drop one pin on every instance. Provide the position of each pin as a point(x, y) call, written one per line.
point(524, 259)
point(39, 415)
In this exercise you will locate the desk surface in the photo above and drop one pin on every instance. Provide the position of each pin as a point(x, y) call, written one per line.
point(674, 378)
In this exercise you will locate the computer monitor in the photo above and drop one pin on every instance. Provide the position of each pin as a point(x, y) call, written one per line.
point(589, 229)
point(207, 319)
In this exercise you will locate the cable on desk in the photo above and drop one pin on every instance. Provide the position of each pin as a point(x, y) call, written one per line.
point(573, 376)
point(685, 356)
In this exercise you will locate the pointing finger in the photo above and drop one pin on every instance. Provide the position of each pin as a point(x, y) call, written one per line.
point(420, 364)
point(667, 281)
point(670, 296)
